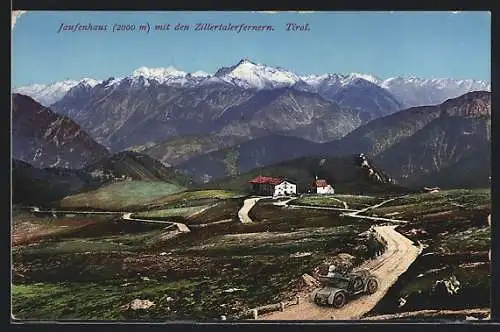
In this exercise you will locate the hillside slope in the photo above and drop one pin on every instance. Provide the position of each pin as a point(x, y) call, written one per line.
point(422, 140)
point(175, 151)
point(45, 139)
point(347, 174)
point(135, 166)
point(249, 155)
point(31, 185)
point(442, 143)
point(473, 170)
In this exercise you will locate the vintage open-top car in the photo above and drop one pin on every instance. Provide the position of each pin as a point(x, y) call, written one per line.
point(338, 287)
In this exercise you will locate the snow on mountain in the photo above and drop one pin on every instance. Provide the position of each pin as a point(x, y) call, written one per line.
point(247, 74)
point(314, 80)
point(414, 91)
point(159, 74)
point(355, 91)
point(339, 80)
point(169, 76)
point(369, 78)
point(199, 73)
point(47, 94)
point(111, 82)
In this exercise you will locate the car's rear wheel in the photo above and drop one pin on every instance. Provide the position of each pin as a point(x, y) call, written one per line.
point(339, 300)
point(372, 286)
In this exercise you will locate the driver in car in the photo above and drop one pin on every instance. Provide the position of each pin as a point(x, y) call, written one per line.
point(331, 271)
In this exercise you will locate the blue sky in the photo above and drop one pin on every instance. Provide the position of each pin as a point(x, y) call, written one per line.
point(385, 44)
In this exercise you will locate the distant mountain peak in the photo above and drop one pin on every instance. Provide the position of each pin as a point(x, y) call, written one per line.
point(415, 91)
point(338, 79)
point(247, 74)
point(370, 78)
point(246, 61)
point(200, 73)
point(165, 75)
point(87, 83)
point(157, 72)
point(47, 94)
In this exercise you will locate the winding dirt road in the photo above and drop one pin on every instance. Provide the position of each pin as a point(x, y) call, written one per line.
point(248, 204)
point(400, 254)
point(202, 210)
point(349, 212)
point(346, 206)
point(182, 227)
point(284, 203)
point(356, 214)
point(210, 224)
point(325, 208)
point(376, 205)
point(125, 216)
point(429, 313)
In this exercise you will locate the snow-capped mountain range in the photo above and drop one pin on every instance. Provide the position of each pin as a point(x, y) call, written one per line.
point(249, 75)
point(416, 91)
point(47, 94)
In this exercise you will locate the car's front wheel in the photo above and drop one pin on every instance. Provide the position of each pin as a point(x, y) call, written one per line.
point(339, 300)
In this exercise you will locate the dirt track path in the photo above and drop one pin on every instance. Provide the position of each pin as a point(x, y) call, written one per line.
point(202, 210)
point(324, 208)
point(356, 214)
point(397, 221)
point(346, 206)
point(284, 203)
point(375, 206)
point(349, 212)
point(210, 224)
point(425, 314)
point(35, 209)
point(125, 216)
point(399, 255)
point(248, 204)
point(182, 227)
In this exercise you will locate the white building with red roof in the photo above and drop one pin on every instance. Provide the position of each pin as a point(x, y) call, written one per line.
point(322, 187)
point(269, 186)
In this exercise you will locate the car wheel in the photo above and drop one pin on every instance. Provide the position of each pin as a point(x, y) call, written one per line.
point(339, 300)
point(372, 286)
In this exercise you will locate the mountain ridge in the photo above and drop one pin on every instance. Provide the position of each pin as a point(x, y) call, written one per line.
point(120, 116)
point(43, 138)
point(440, 135)
point(248, 74)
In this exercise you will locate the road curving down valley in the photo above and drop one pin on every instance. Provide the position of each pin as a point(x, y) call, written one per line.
point(125, 216)
point(181, 227)
point(399, 255)
point(248, 204)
